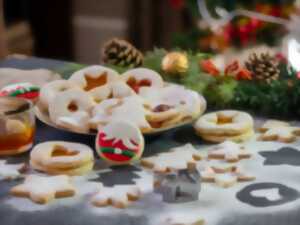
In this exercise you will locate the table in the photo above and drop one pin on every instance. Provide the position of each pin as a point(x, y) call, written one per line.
point(273, 198)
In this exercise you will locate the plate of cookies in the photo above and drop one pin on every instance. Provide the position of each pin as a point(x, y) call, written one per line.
point(96, 95)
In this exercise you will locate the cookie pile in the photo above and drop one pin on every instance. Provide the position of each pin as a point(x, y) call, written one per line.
point(225, 125)
point(96, 95)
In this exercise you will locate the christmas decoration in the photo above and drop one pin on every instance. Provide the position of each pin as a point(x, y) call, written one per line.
point(175, 63)
point(21, 90)
point(122, 53)
point(120, 143)
point(264, 67)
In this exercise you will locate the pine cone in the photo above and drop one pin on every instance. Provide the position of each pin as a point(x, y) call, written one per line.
point(121, 53)
point(263, 67)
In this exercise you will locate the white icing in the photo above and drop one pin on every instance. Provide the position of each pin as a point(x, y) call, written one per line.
point(10, 171)
point(78, 121)
point(124, 131)
point(130, 109)
point(177, 158)
point(40, 186)
point(229, 150)
point(271, 194)
point(117, 194)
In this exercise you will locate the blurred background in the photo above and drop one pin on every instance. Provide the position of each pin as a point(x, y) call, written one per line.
point(75, 30)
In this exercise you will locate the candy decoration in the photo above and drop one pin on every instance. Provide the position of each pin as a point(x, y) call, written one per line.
point(21, 90)
point(120, 143)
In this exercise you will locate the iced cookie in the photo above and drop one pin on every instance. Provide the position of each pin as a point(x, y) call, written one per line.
point(140, 78)
point(116, 89)
point(94, 76)
point(120, 142)
point(70, 109)
point(21, 90)
point(42, 189)
point(278, 131)
point(229, 151)
point(184, 157)
point(227, 179)
point(126, 109)
point(51, 89)
point(119, 196)
point(225, 125)
point(58, 157)
point(10, 171)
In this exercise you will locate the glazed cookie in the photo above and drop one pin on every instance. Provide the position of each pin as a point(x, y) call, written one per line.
point(188, 102)
point(21, 90)
point(278, 131)
point(116, 89)
point(50, 90)
point(94, 76)
point(183, 157)
point(58, 157)
point(140, 78)
point(119, 196)
point(41, 189)
point(120, 142)
point(229, 151)
point(225, 125)
point(126, 109)
point(10, 171)
point(70, 109)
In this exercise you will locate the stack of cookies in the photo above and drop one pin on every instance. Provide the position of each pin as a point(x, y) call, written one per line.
point(225, 125)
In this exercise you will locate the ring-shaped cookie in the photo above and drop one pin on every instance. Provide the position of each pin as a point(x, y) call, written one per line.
point(141, 77)
point(94, 76)
point(58, 155)
point(50, 90)
point(227, 122)
point(73, 103)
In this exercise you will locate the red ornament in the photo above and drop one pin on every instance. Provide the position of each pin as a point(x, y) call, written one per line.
point(177, 4)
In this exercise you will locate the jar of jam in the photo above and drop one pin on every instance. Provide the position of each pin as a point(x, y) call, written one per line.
point(17, 125)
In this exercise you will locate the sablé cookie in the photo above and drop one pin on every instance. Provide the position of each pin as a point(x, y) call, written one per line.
point(59, 157)
point(92, 77)
point(10, 171)
point(70, 109)
point(226, 179)
point(119, 196)
point(42, 190)
point(274, 130)
point(183, 157)
point(229, 151)
point(225, 125)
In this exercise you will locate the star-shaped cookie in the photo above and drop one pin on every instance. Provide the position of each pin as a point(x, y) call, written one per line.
point(274, 130)
point(42, 189)
point(10, 171)
point(225, 180)
point(183, 157)
point(229, 151)
point(119, 196)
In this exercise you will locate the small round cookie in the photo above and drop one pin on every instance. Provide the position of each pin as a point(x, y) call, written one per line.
point(75, 104)
point(50, 90)
point(140, 78)
point(120, 143)
point(227, 122)
point(94, 76)
point(116, 89)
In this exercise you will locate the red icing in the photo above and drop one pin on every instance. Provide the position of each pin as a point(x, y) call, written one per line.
point(29, 95)
point(110, 144)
